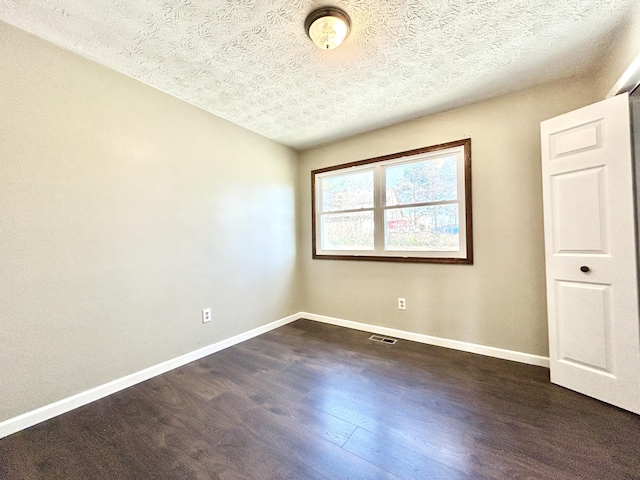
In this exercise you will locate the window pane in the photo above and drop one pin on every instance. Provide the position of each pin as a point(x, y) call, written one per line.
point(348, 231)
point(347, 192)
point(422, 228)
point(420, 182)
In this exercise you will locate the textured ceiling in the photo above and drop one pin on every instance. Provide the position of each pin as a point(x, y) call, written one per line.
point(249, 61)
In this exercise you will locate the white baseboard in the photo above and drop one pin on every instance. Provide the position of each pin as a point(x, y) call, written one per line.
point(527, 358)
point(65, 405)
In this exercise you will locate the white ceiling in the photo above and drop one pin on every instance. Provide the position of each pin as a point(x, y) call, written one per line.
point(249, 61)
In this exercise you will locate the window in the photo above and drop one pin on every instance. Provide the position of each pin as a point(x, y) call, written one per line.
point(411, 206)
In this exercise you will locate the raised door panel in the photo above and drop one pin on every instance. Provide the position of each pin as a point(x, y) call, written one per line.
point(584, 322)
point(580, 208)
point(575, 139)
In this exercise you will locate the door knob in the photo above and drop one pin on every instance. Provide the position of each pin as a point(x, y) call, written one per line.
point(584, 269)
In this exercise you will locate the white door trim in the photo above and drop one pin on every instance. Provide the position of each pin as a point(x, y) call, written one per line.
point(629, 80)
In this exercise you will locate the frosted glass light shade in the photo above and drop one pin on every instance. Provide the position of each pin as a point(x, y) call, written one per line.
point(328, 27)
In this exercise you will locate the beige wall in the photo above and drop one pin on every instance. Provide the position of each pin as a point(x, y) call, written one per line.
point(499, 301)
point(123, 213)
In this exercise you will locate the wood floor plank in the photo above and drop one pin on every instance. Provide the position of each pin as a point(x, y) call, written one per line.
point(391, 415)
point(313, 420)
point(395, 458)
point(329, 459)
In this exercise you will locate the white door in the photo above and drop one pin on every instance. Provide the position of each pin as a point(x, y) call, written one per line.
point(592, 290)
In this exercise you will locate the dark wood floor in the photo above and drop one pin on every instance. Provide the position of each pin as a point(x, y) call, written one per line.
point(313, 401)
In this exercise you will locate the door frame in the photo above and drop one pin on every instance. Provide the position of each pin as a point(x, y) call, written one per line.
point(628, 81)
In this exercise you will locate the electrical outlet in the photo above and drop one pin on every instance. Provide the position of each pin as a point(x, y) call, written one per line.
point(206, 315)
point(402, 304)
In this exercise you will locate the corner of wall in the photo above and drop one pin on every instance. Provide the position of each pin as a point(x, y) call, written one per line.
point(624, 50)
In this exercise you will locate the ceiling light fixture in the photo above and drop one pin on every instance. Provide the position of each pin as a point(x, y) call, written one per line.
point(327, 27)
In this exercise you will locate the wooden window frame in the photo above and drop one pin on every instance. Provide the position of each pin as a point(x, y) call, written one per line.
point(464, 256)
